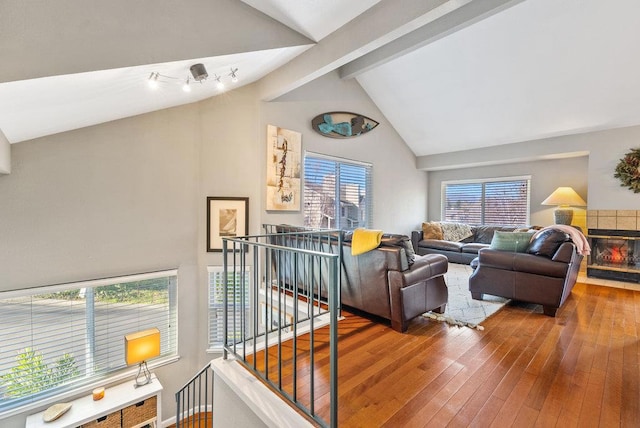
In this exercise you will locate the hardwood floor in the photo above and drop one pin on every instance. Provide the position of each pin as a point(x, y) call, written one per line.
point(579, 369)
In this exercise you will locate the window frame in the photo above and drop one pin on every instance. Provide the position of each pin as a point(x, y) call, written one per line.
point(95, 378)
point(338, 208)
point(483, 181)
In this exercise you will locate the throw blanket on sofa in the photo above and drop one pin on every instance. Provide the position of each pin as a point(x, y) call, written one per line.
point(364, 240)
point(578, 238)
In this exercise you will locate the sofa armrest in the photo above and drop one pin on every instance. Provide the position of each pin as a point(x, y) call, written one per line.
point(417, 290)
point(425, 267)
point(416, 236)
point(565, 252)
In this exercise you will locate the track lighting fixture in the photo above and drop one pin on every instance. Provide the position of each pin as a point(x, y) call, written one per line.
point(198, 74)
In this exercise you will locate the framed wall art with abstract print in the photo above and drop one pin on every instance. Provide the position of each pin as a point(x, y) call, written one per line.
point(284, 157)
point(227, 217)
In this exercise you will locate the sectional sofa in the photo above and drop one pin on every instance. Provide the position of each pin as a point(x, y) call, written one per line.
point(462, 251)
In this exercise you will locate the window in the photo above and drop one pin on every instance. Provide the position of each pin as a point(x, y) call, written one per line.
point(239, 289)
point(495, 201)
point(337, 193)
point(60, 337)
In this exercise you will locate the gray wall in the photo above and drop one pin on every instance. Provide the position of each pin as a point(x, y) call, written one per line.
point(129, 196)
point(108, 200)
point(399, 189)
point(603, 148)
point(546, 176)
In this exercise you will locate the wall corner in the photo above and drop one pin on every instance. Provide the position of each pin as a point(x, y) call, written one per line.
point(5, 154)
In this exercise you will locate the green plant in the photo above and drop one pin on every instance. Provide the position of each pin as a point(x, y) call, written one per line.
point(32, 374)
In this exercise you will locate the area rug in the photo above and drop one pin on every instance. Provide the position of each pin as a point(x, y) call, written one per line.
point(461, 309)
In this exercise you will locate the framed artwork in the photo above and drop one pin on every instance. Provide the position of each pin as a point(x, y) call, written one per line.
point(227, 217)
point(284, 156)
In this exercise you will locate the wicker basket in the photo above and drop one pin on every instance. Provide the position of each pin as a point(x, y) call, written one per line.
point(112, 420)
point(139, 412)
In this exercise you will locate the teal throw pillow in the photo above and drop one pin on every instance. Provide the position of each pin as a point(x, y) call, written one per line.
point(511, 241)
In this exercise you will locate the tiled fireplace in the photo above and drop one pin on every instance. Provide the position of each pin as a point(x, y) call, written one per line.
point(614, 236)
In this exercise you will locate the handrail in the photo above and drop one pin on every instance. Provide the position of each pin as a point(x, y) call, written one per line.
point(190, 404)
point(294, 282)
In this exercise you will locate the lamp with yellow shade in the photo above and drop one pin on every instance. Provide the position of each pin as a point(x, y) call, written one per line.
point(138, 348)
point(564, 198)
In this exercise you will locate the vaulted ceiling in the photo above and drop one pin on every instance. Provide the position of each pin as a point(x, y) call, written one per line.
point(448, 74)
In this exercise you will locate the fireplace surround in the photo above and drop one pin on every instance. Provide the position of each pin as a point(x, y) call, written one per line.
point(614, 237)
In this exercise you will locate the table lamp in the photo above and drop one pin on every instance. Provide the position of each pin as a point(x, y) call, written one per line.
point(138, 348)
point(563, 197)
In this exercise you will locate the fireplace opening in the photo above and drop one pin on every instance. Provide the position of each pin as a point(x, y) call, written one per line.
point(615, 254)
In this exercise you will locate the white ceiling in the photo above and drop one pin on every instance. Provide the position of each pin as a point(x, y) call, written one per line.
point(538, 69)
point(527, 70)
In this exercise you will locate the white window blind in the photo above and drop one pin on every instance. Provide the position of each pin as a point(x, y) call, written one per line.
point(59, 337)
point(238, 305)
point(337, 193)
point(498, 201)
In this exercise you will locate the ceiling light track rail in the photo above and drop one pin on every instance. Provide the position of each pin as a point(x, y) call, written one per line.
point(198, 74)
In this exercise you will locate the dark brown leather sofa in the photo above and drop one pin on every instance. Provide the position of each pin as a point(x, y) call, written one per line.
point(544, 275)
point(385, 281)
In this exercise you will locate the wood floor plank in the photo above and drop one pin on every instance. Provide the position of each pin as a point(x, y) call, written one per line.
point(630, 412)
point(525, 369)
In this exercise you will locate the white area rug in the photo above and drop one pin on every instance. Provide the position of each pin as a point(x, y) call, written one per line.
point(461, 307)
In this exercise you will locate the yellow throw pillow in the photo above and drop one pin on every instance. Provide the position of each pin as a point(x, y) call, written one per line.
point(432, 230)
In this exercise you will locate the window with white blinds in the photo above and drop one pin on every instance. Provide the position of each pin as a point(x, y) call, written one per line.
point(496, 201)
point(60, 337)
point(337, 193)
point(238, 305)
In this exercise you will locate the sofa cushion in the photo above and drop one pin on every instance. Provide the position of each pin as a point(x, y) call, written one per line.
point(432, 230)
point(511, 241)
point(473, 248)
point(547, 242)
point(484, 234)
point(439, 244)
point(455, 231)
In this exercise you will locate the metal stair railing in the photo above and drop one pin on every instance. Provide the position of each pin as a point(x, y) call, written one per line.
point(294, 281)
point(194, 401)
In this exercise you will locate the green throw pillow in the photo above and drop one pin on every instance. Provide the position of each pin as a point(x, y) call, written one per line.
point(511, 241)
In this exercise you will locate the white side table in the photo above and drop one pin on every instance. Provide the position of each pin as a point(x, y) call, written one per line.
point(121, 402)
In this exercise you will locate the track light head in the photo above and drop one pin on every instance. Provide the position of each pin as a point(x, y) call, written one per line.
point(153, 80)
point(219, 84)
point(198, 72)
point(234, 78)
point(186, 87)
